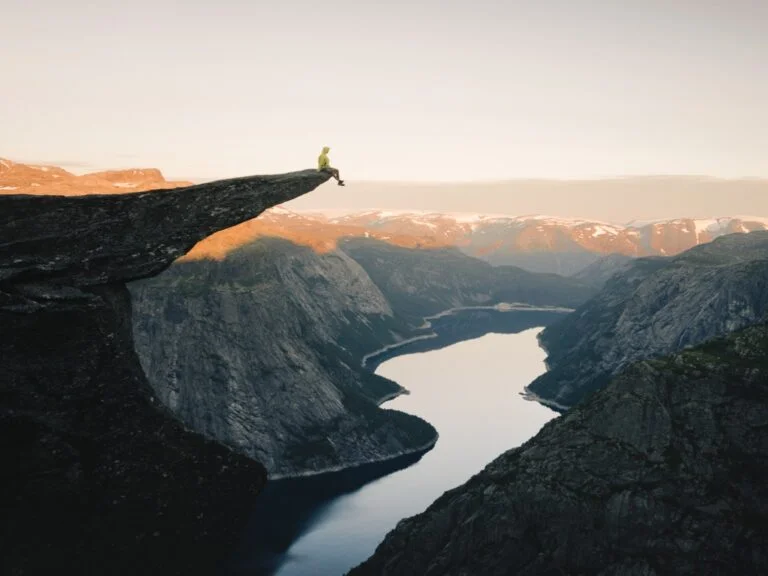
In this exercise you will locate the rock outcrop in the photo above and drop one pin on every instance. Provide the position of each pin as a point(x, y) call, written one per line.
point(662, 472)
point(99, 478)
point(654, 307)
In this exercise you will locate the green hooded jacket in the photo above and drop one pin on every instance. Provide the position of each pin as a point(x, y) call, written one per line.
point(322, 160)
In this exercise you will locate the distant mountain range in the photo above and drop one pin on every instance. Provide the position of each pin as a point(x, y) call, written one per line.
point(548, 243)
point(535, 242)
point(16, 178)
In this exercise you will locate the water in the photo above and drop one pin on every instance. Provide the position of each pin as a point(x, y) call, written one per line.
point(470, 392)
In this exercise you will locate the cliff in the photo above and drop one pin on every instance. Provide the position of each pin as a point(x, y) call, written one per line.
point(262, 351)
point(98, 477)
point(661, 472)
point(653, 307)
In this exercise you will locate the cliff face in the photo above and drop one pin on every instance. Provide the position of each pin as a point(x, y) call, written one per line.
point(662, 472)
point(54, 245)
point(656, 306)
point(427, 281)
point(262, 350)
point(99, 478)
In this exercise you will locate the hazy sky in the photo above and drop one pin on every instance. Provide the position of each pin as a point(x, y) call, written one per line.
point(401, 90)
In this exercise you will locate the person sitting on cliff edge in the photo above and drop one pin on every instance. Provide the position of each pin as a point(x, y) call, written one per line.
point(324, 165)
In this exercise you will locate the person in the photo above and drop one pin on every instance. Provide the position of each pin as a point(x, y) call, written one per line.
point(324, 165)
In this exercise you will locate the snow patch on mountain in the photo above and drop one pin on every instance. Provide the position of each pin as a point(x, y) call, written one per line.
point(604, 231)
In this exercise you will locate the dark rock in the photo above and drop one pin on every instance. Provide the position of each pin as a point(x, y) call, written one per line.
point(52, 241)
point(262, 350)
point(423, 282)
point(662, 472)
point(653, 307)
point(98, 478)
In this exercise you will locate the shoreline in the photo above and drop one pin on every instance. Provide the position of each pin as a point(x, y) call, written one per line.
point(551, 404)
point(395, 346)
point(500, 307)
point(423, 449)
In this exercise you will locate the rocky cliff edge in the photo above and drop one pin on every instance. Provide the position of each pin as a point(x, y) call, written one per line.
point(97, 477)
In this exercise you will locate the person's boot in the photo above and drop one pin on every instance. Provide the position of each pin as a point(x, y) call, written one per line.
point(341, 183)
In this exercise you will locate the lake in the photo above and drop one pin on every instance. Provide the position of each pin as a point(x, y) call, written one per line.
point(470, 392)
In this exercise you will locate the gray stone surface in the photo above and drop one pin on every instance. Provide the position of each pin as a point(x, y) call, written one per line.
point(263, 349)
point(654, 307)
point(50, 246)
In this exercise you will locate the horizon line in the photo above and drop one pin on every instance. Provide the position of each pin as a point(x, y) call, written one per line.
point(92, 168)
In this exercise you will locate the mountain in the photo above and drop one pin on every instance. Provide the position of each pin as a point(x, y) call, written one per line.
point(422, 282)
point(656, 306)
point(16, 178)
point(261, 346)
point(262, 350)
point(98, 477)
point(546, 243)
point(535, 243)
point(661, 472)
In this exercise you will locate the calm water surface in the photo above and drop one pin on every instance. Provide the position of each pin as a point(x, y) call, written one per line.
point(470, 392)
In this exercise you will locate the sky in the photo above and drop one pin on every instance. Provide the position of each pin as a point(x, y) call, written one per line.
point(417, 90)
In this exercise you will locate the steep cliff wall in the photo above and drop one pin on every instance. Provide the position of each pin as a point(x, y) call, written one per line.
point(262, 350)
point(98, 477)
point(656, 306)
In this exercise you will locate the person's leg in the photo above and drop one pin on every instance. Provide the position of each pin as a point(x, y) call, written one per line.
point(335, 173)
point(338, 176)
point(332, 171)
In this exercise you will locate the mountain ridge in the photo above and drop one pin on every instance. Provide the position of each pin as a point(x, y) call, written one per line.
point(655, 306)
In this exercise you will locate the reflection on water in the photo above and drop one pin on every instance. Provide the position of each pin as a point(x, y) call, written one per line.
point(470, 392)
